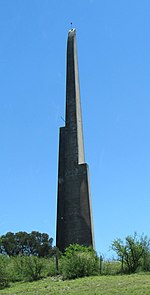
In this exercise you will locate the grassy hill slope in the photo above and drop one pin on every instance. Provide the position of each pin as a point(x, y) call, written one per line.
point(126, 284)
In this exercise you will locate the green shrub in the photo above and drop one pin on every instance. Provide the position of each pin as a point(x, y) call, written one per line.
point(49, 267)
point(4, 277)
point(15, 269)
point(79, 261)
point(111, 267)
point(31, 268)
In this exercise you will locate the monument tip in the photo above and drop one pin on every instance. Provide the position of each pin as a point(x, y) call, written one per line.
point(72, 32)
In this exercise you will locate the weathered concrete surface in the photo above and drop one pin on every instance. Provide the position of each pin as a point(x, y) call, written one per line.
point(74, 214)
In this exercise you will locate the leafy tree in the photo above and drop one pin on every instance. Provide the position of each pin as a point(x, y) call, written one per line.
point(40, 244)
point(8, 244)
point(132, 252)
point(22, 243)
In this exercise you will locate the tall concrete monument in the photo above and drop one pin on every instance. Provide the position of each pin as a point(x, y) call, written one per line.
point(74, 215)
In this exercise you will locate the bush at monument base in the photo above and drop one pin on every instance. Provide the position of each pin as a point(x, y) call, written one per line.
point(79, 261)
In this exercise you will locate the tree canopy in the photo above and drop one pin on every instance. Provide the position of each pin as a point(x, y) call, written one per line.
point(23, 243)
point(133, 252)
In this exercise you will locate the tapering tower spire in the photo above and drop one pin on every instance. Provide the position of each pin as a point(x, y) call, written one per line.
point(73, 105)
point(74, 215)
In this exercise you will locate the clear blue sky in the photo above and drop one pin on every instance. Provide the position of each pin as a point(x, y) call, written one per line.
point(113, 39)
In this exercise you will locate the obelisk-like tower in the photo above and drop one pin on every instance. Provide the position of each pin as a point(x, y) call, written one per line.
point(74, 215)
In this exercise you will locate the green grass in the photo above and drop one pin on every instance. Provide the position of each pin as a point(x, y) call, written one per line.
point(126, 284)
